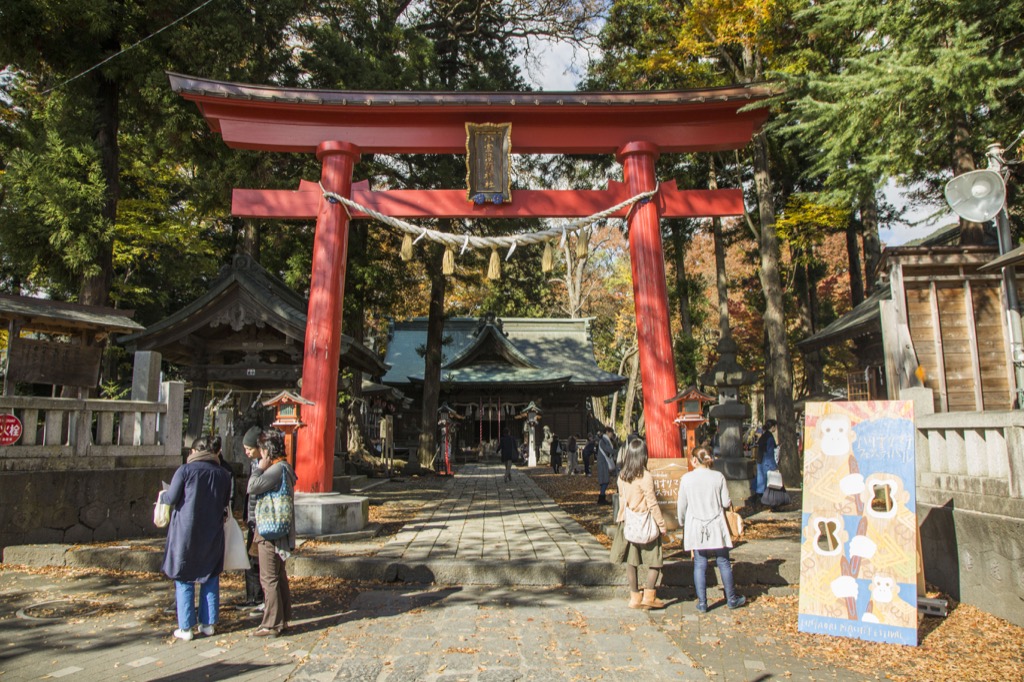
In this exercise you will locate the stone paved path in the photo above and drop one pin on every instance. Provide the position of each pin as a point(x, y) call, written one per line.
point(483, 517)
point(506, 536)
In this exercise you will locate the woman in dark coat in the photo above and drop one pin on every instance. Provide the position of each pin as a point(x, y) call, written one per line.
point(555, 451)
point(509, 452)
point(198, 495)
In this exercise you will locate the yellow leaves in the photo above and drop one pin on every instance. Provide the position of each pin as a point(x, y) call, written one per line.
point(708, 26)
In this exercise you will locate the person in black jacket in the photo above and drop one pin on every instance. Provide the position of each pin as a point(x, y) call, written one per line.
point(555, 450)
point(509, 453)
point(253, 588)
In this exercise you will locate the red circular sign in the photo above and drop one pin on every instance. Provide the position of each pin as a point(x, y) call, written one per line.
point(10, 429)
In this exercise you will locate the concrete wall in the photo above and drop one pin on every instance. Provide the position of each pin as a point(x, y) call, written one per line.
point(79, 506)
point(970, 504)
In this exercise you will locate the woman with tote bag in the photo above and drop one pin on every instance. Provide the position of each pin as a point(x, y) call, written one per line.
point(700, 510)
point(643, 526)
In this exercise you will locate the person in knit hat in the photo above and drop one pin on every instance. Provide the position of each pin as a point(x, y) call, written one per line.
point(253, 588)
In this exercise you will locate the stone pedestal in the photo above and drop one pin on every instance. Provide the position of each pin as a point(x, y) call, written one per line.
point(330, 513)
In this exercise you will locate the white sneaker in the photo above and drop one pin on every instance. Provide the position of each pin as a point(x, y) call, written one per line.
point(183, 634)
point(206, 630)
point(262, 607)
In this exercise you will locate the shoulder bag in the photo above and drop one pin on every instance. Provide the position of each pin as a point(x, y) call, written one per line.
point(275, 510)
point(639, 528)
point(735, 523)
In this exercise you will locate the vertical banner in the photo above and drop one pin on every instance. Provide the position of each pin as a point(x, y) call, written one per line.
point(666, 472)
point(858, 556)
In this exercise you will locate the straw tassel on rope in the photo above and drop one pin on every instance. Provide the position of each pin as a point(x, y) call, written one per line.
point(494, 268)
point(448, 262)
point(582, 243)
point(406, 252)
point(548, 261)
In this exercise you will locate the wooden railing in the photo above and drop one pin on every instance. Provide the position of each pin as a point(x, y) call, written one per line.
point(68, 433)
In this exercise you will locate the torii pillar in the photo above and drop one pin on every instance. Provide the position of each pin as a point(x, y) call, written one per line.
point(314, 460)
point(650, 298)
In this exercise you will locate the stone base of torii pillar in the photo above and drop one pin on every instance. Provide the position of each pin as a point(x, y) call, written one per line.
point(320, 514)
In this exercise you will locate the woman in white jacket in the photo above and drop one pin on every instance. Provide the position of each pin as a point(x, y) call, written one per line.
point(703, 499)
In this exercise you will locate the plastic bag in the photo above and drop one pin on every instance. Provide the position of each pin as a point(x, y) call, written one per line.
point(161, 511)
point(235, 556)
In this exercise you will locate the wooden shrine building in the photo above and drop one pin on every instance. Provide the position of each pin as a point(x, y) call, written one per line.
point(245, 334)
point(493, 368)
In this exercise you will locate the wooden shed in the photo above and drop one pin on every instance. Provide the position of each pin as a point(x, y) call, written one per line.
point(939, 321)
point(956, 319)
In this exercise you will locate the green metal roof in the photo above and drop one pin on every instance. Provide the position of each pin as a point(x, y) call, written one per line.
point(488, 352)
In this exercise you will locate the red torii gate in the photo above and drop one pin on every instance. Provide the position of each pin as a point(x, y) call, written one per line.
point(340, 125)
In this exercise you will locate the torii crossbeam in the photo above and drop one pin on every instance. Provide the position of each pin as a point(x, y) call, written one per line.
point(340, 125)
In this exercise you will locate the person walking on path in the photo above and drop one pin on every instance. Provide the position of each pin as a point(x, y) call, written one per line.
point(198, 495)
point(273, 476)
point(588, 453)
point(605, 463)
point(509, 452)
point(700, 510)
point(253, 589)
point(636, 491)
point(571, 449)
point(765, 456)
point(555, 452)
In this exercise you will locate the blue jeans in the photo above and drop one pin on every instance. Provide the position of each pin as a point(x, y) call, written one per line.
point(700, 569)
point(209, 602)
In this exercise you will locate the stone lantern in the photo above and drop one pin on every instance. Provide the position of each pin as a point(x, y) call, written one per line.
point(727, 376)
point(532, 415)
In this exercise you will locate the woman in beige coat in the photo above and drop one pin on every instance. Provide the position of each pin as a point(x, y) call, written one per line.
point(636, 491)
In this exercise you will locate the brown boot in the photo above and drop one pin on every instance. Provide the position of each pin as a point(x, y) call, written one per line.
point(635, 599)
point(651, 601)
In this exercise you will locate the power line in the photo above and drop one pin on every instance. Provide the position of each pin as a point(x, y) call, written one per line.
point(133, 45)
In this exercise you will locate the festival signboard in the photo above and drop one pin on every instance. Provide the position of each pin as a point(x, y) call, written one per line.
point(666, 472)
point(858, 555)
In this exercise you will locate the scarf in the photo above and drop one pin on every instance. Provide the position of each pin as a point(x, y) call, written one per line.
point(202, 456)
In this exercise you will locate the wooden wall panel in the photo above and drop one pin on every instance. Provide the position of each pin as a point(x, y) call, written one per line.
point(991, 334)
point(926, 346)
point(956, 349)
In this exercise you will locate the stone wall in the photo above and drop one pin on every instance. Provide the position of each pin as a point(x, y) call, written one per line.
point(79, 506)
point(970, 504)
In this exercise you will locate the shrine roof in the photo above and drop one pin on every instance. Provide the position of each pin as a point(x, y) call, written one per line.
point(391, 122)
point(243, 293)
point(557, 352)
point(862, 320)
point(57, 317)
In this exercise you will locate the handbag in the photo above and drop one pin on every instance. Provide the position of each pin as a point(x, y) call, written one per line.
point(735, 523)
point(275, 510)
point(161, 511)
point(775, 479)
point(638, 528)
point(235, 556)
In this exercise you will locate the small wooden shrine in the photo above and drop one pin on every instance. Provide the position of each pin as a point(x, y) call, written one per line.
point(63, 342)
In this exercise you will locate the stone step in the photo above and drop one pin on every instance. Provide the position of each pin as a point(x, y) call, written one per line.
point(348, 482)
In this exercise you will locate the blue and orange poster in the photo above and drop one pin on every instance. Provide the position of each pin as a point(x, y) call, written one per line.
point(858, 555)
